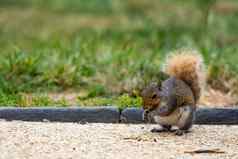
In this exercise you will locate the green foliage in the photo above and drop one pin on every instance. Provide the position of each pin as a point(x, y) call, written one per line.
point(42, 100)
point(205, 3)
point(205, 7)
point(9, 100)
point(96, 101)
point(96, 90)
point(127, 101)
point(121, 101)
point(107, 48)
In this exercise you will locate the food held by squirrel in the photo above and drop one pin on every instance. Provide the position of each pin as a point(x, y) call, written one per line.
point(173, 102)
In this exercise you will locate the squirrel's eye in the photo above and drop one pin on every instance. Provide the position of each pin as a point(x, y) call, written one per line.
point(154, 96)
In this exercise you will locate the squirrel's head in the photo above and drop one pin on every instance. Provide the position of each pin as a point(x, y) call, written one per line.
point(150, 96)
point(158, 100)
point(151, 100)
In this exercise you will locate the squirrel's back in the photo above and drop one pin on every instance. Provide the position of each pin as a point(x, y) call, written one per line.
point(187, 65)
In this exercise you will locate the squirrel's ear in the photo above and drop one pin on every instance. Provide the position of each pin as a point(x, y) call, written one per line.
point(151, 87)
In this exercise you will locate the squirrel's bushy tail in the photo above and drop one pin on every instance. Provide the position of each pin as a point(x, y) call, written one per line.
point(188, 66)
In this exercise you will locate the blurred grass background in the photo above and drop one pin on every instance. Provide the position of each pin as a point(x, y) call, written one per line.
point(106, 51)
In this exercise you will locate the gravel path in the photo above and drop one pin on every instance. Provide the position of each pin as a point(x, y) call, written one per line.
point(25, 140)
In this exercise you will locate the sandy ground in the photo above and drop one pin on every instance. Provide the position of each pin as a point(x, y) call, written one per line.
point(23, 140)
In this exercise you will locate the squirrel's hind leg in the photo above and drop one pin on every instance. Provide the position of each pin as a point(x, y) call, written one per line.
point(186, 120)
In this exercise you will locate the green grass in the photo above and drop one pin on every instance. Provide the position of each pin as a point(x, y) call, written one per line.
point(37, 100)
point(108, 48)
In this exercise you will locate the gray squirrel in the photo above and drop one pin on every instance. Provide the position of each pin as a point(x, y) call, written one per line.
point(173, 103)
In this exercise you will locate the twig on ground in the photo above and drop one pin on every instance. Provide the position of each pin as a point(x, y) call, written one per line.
point(205, 151)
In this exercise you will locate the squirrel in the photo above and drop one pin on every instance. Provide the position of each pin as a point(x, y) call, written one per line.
point(173, 102)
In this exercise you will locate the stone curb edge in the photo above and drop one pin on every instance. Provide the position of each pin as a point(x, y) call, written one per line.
point(108, 114)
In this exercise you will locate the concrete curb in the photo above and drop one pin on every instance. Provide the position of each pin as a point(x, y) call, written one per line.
point(206, 116)
point(131, 115)
point(77, 114)
point(109, 115)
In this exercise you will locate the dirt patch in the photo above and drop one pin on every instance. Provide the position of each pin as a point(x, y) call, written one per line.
point(71, 140)
point(216, 98)
point(70, 97)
